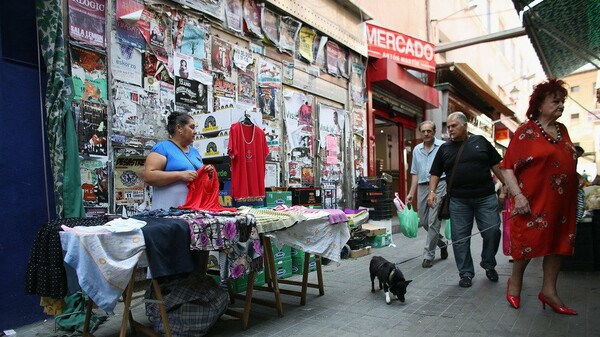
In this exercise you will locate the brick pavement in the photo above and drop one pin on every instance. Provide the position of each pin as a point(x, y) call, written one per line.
point(435, 304)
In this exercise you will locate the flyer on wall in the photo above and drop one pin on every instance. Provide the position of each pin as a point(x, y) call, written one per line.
point(87, 21)
point(126, 64)
point(130, 189)
point(190, 94)
point(252, 13)
point(128, 12)
point(88, 71)
point(233, 13)
point(94, 182)
point(92, 129)
point(193, 43)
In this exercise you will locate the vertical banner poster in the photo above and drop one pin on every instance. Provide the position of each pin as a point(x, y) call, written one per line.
point(221, 57)
point(331, 136)
point(233, 13)
point(92, 129)
point(357, 84)
point(88, 70)
point(305, 48)
point(288, 34)
point(87, 21)
point(130, 189)
point(270, 26)
point(300, 138)
point(267, 103)
point(331, 55)
point(252, 18)
point(94, 183)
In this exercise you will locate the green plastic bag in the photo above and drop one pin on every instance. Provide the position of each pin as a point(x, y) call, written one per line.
point(447, 230)
point(409, 222)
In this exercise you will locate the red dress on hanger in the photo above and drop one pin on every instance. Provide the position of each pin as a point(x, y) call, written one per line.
point(248, 150)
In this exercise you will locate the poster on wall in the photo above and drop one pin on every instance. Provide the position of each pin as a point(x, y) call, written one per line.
point(270, 25)
point(319, 52)
point(331, 55)
point(242, 58)
point(126, 64)
point(357, 84)
point(128, 12)
point(252, 18)
point(343, 63)
point(88, 71)
point(190, 94)
point(269, 73)
point(331, 135)
point(127, 117)
point(288, 33)
point(87, 21)
point(214, 8)
point(94, 183)
point(300, 137)
point(183, 65)
point(92, 129)
point(130, 190)
point(155, 34)
point(359, 156)
point(272, 175)
point(221, 57)
point(267, 103)
point(233, 13)
point(272, 131)
point(305, 48)
point(246, 88)
point(194, 42)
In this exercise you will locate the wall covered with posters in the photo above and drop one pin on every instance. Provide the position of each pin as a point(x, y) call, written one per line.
point(134, 62)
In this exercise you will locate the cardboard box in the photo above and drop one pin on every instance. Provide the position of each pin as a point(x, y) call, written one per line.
point(298, 264)
point(360, 252)
point(382, 240)
point(283, 268)
point(279, 254)
point(225, 195)
point(241, 284)
point(213, 122)
point(274, 199)
point(212, 147)
point(373, 230)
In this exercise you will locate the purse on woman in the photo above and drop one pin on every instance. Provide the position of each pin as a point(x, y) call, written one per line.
point(444, 210)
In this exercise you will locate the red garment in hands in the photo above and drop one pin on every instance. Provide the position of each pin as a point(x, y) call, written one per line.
point(203, 193)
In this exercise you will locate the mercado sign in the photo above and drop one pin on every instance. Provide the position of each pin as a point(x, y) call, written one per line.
point(403, 49)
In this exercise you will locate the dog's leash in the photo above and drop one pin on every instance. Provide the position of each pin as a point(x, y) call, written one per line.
point(457, 241)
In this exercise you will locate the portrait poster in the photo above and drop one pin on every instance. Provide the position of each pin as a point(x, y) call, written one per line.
point(190, 94)
point(252, 13)
point(221, 56)
point(234, 13)
point(183, 65)
point(126, 64)
point(193, 43)
point(270, 26)
point(267, 103)
point(269, 73)
point(305, 47)
point(92, 129)
point(319, 51)
point(130, 190)
point(246, 87)
point(288, 34)
point(128, 12)
point(94, 182)
point(332, 52)
point(242, 58)
point(87, 21)
point(88, 71)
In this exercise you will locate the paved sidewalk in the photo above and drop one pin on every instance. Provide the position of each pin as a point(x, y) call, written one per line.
point(435, 304)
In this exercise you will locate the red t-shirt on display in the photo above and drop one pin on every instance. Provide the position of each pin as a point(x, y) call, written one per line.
point(248, 150)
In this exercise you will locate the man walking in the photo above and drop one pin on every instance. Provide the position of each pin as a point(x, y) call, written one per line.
point(472, 194)
point(423, 155)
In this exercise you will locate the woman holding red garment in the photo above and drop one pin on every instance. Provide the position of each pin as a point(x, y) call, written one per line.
point(539, 169)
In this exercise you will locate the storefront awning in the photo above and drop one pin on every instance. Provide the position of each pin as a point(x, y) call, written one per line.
point(390, 76)
point(463, 81)
point(564, 33)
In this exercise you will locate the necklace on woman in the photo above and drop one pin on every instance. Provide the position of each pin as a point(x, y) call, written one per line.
point(547, 136)
point(251, 139)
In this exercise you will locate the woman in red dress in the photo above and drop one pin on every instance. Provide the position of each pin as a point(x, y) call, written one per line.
point(539, 169)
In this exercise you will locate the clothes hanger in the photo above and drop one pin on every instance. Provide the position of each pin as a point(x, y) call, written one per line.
point(247, 120)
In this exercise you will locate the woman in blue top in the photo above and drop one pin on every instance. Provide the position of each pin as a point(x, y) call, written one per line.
point(173, 163)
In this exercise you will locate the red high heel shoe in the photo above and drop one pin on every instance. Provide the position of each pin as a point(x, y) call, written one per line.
point(564, 310)
point(514, 301)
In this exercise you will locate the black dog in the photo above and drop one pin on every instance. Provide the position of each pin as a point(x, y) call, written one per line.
point(390, 278)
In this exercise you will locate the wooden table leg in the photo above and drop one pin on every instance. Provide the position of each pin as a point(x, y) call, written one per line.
point(161, 305)
point(271, 273)
point(88, 317)
point(127, 294)
point(304, 285)
point(320, 276)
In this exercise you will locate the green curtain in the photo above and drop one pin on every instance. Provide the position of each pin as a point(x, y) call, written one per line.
point(62, 138)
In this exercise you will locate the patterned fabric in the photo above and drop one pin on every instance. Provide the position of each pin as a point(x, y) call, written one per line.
point(580, 204)
point(233, 232)
point(62, 139)
point(547, 177)
point(193, 305)
point(269, 220)
point(45, 274)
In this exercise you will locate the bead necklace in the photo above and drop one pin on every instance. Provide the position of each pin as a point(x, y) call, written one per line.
point(251, 139)
point(548, 137)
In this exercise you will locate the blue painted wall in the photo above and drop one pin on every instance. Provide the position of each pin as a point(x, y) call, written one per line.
point(23, 205)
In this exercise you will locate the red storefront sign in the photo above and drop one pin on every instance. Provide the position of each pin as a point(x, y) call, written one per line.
point(403, 49)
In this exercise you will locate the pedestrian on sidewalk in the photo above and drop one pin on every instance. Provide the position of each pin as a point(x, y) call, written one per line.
point(423, 155)
point(540, 172)
point(472, 195)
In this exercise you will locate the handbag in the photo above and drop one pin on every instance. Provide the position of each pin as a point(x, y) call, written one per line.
point(444, 209)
